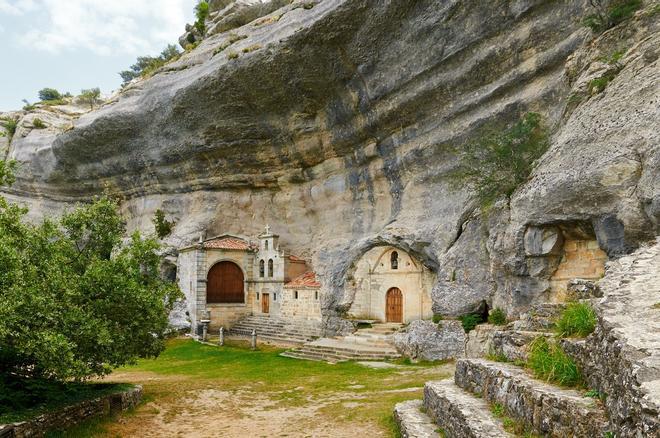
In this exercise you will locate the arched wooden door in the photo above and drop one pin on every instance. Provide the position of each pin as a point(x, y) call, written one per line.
point(225, 284)
point(394, 305)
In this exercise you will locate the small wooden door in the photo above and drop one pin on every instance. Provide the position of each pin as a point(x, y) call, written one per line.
point(394, 305)
point(265, 303)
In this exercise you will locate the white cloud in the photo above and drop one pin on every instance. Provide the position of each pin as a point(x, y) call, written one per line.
point(108, 27)
point(16, 7)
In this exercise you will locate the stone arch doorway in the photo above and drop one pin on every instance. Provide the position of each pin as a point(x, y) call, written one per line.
point(225, 283)
point(394, 305)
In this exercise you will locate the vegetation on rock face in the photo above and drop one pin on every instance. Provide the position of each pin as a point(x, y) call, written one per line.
point(201, 12)
point(90, 97)
point(498, 162)
point(10, 125)
point(49, 94)
point(610, 13)
point(470, 321)
point(163, 226)
point(578, 319)
point(147, 65)
point(74, 301)
point(497, 317)
point(38, 123)
point(437, 318)
point(549, 362)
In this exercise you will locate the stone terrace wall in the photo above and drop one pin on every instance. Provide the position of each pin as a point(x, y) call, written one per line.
point(74, 414)
point(622, 357)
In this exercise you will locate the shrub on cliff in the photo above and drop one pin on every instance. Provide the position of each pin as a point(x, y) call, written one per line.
point(201, 12)
point(90, 97)
point(608, 14)
point(498, 162)
point(162, 226)
point(147, 65)
point(49, 94)
point(75, 301)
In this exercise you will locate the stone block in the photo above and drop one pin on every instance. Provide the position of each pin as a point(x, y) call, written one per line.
point(429, 341)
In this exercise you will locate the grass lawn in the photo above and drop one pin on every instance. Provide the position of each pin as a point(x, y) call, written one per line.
point(200, 390)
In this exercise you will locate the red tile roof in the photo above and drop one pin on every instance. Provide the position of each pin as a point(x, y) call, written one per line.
point(227, 242)
point(296, 259)
point(308, 279)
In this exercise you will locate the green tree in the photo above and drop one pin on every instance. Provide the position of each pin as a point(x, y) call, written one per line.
point(75, 301)
point(49, 94)
point(90, 97)
point(163, 226)
point(502, 159)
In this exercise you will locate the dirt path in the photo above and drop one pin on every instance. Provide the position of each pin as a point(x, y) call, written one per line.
point(179, 407)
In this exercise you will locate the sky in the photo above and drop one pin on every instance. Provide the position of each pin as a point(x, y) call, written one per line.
point(72, 45)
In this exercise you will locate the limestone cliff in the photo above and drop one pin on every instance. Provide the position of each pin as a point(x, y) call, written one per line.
point(332, 120)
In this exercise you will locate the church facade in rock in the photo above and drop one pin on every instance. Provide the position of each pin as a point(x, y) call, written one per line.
point(228, 277)
point(390, 285)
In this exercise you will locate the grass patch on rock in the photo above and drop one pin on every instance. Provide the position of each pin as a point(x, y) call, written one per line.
point(549, 362)
point(578, 319)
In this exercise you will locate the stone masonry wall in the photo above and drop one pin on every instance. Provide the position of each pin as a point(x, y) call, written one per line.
point(621, 358)
point(581, 259)
point(72, 415)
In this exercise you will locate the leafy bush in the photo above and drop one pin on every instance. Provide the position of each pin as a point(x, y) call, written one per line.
point(548, 361)
point(7, 171)
point(75, 301)
point(578, 319)
point(232, 55)
point(201, 12)
point(90, 97)
point(163, 226)
point(470, 321)
point(497, 317)
point(437, 318)
point(49, 94)
point(498, 162)
point(609, 14)
point(147, 65)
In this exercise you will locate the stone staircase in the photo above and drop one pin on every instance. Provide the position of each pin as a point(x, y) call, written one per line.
point(464, 407)
point(276, 330)
point(620, 359)
point(373, 343)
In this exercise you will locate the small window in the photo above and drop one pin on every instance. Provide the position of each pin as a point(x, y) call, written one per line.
point(295, 295)
point(316, 295)
point(261, 268)
point(257, 296)
point(274, 297)
point(394, 260)
point(270, 267)
point(266, 245)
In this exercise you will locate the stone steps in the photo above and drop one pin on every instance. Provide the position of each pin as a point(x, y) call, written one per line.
point(275, 330)
point(544, 408)
point(335, 355)
point(413, 422)
point(458, 413)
